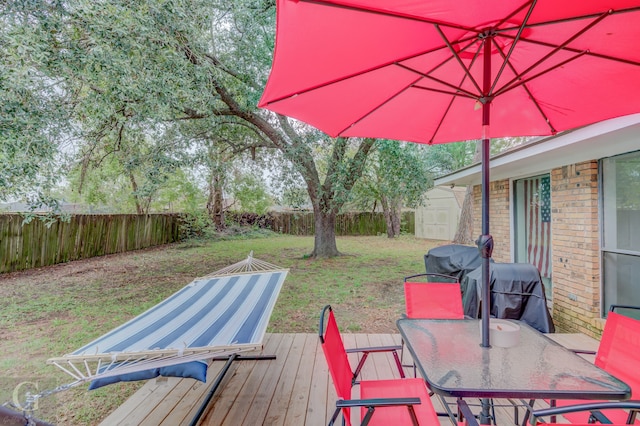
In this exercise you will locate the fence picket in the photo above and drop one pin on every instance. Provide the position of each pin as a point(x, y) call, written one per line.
point(34, 244)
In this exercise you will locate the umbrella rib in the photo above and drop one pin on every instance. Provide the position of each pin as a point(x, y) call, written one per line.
point(457, 58)
point(577, 18)
point(446, 111)
point(357, 74)
point(575, 50)
point(456, 94)
point(444, 115)
point(526, 89)
point(553, 52)
point(513, 45)
point(457, 89)
point(533, 77)
point(371, 111)
point(515, 12)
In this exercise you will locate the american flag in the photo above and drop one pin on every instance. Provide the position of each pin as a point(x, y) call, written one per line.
point(537, 196)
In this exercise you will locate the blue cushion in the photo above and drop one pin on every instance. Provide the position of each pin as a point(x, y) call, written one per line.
point(190, 370)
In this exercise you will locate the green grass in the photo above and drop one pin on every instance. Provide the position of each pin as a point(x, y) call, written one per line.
point(51, 311)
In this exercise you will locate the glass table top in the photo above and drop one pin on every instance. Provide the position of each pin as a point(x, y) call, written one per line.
point(449, 356)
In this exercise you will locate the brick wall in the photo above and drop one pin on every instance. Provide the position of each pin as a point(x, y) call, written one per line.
point(575, 243)
point(499, 223)
point(575, 238)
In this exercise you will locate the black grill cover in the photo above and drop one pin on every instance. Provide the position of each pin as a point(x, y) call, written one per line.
point(453, 259)
point(517, 292)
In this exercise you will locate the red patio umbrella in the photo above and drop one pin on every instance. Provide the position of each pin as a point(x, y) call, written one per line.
point(435, 71)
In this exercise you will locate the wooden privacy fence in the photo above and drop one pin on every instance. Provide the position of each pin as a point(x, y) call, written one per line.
point(34, 244)
point(302, 223)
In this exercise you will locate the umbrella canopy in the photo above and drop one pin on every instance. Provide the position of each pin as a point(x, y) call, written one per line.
point(417, 70)
point(442, 71)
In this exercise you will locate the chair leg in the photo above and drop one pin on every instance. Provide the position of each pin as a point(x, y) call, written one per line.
point(413, 364)
point(335, 416)
point(367, 417)
point(527, 413)
point(399, 364)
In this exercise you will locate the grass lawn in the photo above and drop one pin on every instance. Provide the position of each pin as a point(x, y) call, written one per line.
point(52, 311)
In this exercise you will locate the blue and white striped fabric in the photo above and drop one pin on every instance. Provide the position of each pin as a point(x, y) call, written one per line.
point(212, 316)
point(214, 312)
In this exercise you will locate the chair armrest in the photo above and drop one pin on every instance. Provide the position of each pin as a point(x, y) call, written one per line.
point(583, 351)
point(375, 349)
point(467, 415)
point(613, 308)
point(594, 406)
point(377, 402)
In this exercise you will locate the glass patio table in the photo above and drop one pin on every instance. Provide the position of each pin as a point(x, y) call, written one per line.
point(450, 358)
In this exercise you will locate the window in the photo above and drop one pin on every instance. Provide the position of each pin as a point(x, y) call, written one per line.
point(621, 230)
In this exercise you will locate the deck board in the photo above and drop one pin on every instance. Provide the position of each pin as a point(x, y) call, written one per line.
point(294, 389)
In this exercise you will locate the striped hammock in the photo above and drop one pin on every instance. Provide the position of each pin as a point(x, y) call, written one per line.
point(220, 314)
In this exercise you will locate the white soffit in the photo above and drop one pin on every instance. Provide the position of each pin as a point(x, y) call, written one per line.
point(600, 140)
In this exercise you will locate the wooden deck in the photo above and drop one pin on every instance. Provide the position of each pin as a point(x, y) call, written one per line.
point(294, 389)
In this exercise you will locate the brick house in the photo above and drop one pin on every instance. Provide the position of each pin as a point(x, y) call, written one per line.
point(570, 204)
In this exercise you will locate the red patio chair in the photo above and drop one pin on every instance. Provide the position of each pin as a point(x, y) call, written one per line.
point(383, 402)
point(437, 298)
point(590, 412)
point(432, 296)
point(619, 355)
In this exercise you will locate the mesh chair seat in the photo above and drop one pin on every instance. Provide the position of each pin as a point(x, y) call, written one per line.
point(619, 355)
point(437, 298)
point(398, 388)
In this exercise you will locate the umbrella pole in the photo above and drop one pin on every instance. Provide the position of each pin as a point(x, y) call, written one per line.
point(485, 242)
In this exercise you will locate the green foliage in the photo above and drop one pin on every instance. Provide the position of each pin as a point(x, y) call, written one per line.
point(397, 171)
point(30, 103)
point(140, 89)
point(251, 193)
point(446, 158)
point(179, 193)
point(196, 224)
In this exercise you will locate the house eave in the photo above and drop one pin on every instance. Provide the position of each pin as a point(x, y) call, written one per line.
point(593, 142)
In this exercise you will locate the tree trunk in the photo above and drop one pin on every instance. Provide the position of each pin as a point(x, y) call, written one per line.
point(136, 198)
point(324, 244)
point(396, 217)
point(391, 212)
point(215, 204)
point(464, 233)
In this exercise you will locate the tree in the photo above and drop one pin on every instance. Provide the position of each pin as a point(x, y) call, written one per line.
point(397, 176)
point(129, 68)
point(31, 135)
point(252, 26)
point(250, 192)
point(464, 233)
